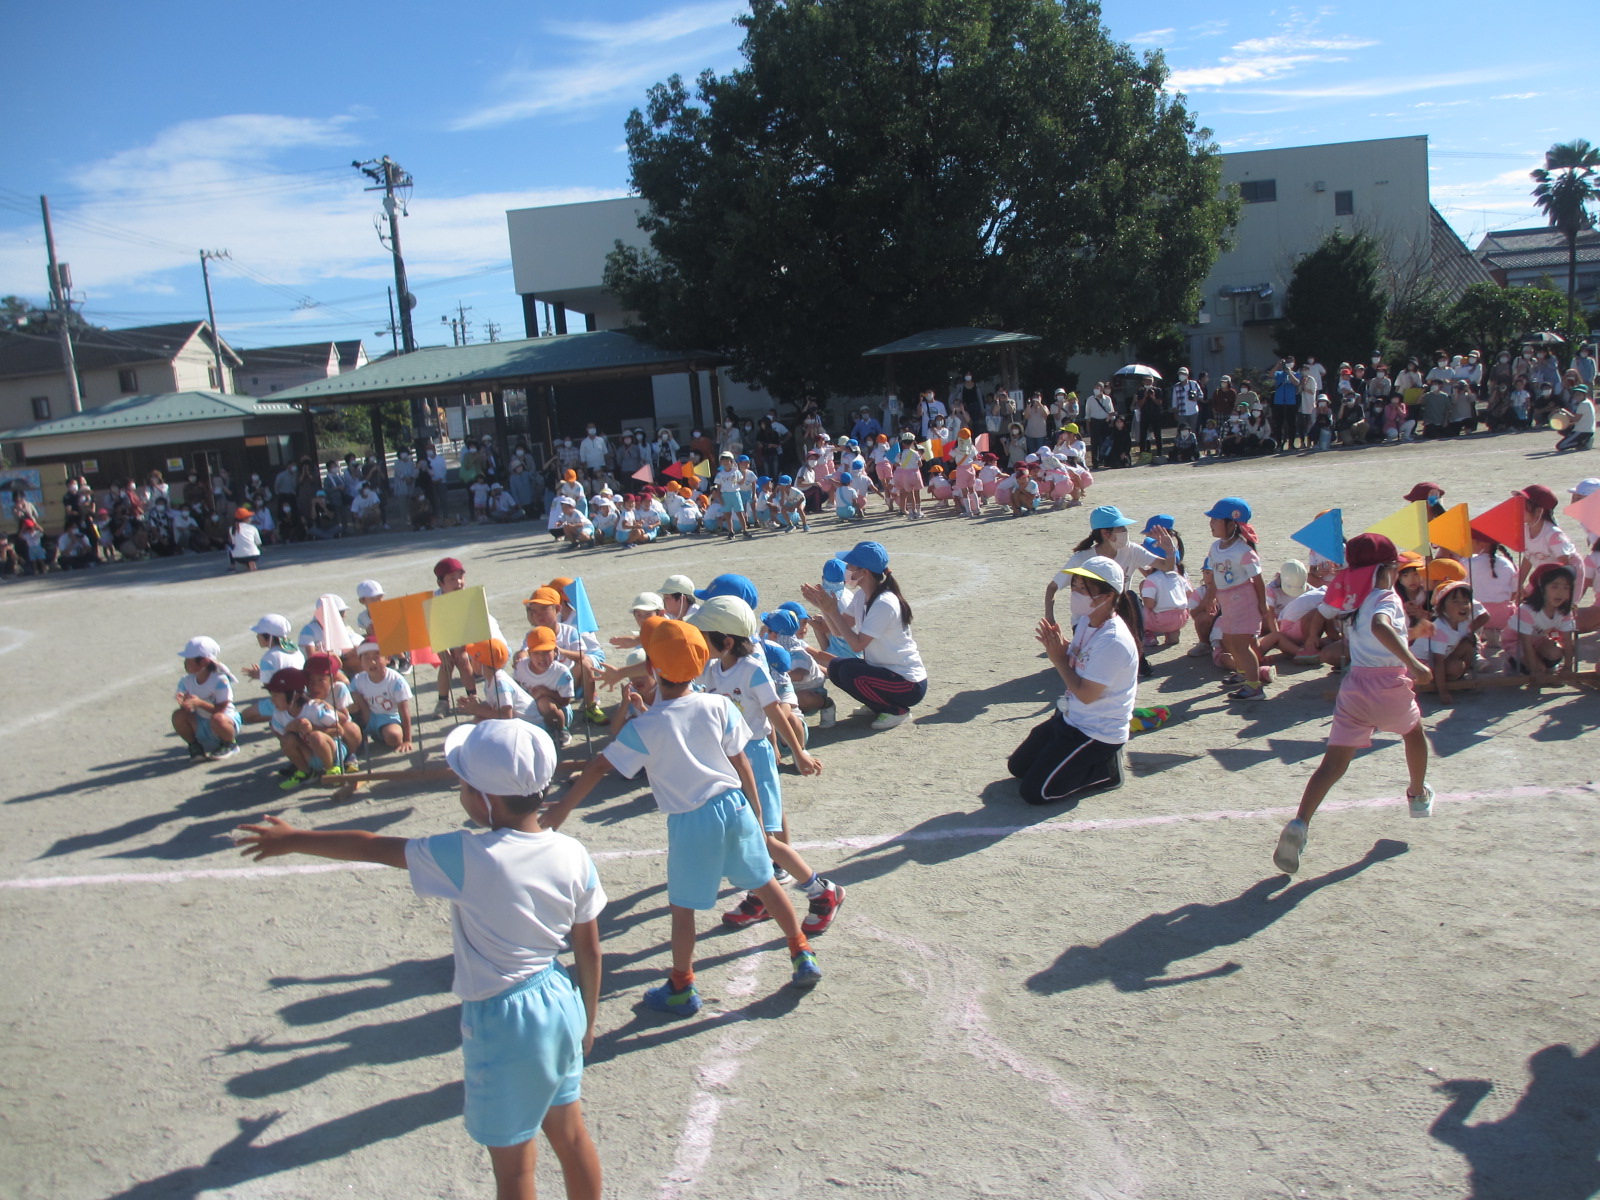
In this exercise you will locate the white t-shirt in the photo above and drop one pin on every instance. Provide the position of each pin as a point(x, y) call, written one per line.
point(748, 684)
point(1492, 582)
point(844, 497)
point(1446, 637)
point(1133, 556)
point(1365, 649)
point(500, 688)
point(275, 660)
point(1548, 545)
point(385, 695)
point(1170, 590)
point(215, 691)
point(514, 897)
point(557, 677)
point(1302, 605)
point(1535, 621)
point(800, 660)
point(244, 541)
point(1105, 655)
point(683, 745)
point(1232, 566)
point(892, 646)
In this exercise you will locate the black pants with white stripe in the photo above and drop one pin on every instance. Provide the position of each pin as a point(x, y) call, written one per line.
point(1056, 762)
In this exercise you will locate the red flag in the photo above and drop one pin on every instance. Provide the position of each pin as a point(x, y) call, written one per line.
point(645, 474)
point(1505, 523)
point(675, 471)
point(981, 443)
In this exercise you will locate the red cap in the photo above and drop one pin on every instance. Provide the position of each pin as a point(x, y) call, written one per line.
point(1420, 492)
point(1369, 550)
point(322, 664)
point(1539, 496)
point(445, 566)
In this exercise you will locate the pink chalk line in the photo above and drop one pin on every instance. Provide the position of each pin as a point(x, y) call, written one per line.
point(861, 842)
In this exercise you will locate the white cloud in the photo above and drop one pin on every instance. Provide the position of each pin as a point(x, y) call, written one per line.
point(1518, 96)
point(1151, 37)
point(1297, 44)
point(147, 211)
point(609, 60)
point(1393, 85)
point(1209, 29)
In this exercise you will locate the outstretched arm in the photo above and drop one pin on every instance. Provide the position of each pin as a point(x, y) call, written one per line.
point(274, 837)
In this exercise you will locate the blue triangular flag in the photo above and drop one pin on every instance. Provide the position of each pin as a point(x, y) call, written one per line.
point(1325, 535)
point(582, 611)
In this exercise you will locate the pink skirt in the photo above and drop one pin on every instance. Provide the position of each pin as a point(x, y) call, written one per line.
point(885, 473)
point(1047, 489)
point(1168, 621)
point(1373, 699)
point(941, 489)
point(1002, 491)
point(1239, 611)
point(908, 479)
point(966, 479)
point(1081, 478)
point(989, 488)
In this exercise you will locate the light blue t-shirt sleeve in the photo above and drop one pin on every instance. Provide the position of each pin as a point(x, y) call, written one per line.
point(437, 865)
point(627, 752)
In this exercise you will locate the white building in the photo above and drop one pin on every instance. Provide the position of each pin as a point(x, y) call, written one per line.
point(270, 369)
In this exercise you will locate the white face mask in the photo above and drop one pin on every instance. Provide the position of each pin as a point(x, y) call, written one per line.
point(1081, 606)
point(1115, 539)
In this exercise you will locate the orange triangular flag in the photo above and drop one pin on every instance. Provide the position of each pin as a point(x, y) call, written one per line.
point(1505, 523)
point(1407, 529)
point(1452, 530)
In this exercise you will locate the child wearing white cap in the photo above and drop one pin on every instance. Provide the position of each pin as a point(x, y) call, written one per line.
point(278, 651)
point(205, 717)
point(519, 894)
point(367, 591)
point(383, 700)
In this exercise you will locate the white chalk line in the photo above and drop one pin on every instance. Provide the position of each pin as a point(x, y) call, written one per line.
point(861, 842)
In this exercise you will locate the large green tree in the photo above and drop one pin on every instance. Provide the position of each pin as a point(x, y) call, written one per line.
point(882, 167)
point(1564, 189)
point(1335, 306)
point(1491, 318)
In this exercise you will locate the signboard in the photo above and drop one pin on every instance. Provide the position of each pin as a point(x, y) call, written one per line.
point(174, 464)
point(89, 466)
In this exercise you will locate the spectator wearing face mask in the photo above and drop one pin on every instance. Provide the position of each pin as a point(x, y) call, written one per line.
point(592, 450)
point(629, 455)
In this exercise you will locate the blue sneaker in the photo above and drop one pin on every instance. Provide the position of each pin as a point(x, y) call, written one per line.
point(806, 972)
point(663, 999)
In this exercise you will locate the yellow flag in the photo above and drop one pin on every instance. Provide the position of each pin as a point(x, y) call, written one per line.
point(1407, 529)
point(1452, 530)
point(458, 618)
point(703, 469)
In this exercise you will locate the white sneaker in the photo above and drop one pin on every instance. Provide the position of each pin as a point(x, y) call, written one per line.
point(889, 720)
point(1198, 650)
point(1290, 843)
point(827, 715)
point(1421, 806)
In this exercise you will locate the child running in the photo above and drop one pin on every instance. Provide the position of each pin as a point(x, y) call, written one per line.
point(1377, 694)
point(691, 748)
point(519, 895)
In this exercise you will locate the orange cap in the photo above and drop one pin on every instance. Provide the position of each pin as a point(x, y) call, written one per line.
point(570, 477)
point(676, 649)
point(544, 595)
point(540, 639)
point(561, 583)
point(1445, 570)
point(492, 654)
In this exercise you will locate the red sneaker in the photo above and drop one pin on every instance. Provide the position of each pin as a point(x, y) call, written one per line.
point(750, 911)
point(823, 909)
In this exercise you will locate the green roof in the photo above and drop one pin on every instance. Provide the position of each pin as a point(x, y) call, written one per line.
point(155, 408)
point(952, 339)
point(445, 369)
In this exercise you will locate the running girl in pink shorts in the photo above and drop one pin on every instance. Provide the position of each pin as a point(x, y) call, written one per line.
point(1378, 692)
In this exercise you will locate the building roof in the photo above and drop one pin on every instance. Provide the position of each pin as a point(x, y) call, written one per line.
point(1452, 267)
point(94, 349)
point(154, 408)
point(350, 353)
point(447, 370)
point(277, 358)
point(1533, 249)
point(951, 339)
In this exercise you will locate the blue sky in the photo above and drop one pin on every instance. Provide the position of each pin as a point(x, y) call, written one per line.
point(161, 130)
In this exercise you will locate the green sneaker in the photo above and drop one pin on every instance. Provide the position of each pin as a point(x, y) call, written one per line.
point(806, 972)
point(294, 781)
point(664, 999)
point(334, 771)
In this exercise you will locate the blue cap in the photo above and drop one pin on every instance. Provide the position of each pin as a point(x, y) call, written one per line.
point(763, 480)
point(742, 458)
point(1108, 516)
point(869, 556)
point(852, 442)
point(779, 660)
point(1230, 508)
point(833, 571)
point(781, 622)
point(729, 585)
point(785, 480)
point(845, 477)
point(1161, 520)
point(797, 609)
point(1154, 547)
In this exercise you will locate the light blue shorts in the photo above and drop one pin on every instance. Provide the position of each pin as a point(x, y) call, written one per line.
point(733, 502)
point(764, 766)
point(207, 736)
point(522, 1053)
point(718, 840)
point(840, 648)
point(340, 752)
point(264, 708)
point(377, 721)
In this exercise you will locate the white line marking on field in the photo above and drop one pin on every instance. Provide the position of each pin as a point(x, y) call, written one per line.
point(863, 842)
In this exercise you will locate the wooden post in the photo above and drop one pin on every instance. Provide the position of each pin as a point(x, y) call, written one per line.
point(695, 406)
point(502, 431)
point(381, 454)
point(716, 399)
point(311, 434)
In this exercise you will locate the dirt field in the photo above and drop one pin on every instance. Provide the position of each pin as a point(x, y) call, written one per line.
point(1121, 1001)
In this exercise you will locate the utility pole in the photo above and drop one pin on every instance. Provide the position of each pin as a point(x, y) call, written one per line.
point(458, 325)
point(393, 330)
point(211, 315)
point(493, 330)
point(389, 176)
point(61, 302)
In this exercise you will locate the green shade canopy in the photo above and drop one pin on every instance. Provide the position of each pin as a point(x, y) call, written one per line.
point(155, 408)
point(952, 339)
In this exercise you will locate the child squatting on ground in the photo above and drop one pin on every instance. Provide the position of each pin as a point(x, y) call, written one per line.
point(1376, 694)
point(691, 747)
point(519, 895)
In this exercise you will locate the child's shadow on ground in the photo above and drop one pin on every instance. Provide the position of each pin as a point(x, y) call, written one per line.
point(1140, 957)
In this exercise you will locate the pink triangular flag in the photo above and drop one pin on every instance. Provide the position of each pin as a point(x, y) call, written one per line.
point(645, 474)
point(982, 443)
point(1586, 511)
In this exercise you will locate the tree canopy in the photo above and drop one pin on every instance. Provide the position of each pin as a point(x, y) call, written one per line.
point(1563, 189)
point(881, 167)
point(1336, 303)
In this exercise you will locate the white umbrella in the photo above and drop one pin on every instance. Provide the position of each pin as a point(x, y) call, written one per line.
point(1137, 369)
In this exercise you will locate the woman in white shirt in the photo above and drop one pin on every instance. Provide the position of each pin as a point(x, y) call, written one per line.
point(889, 677)
point(1080, 747)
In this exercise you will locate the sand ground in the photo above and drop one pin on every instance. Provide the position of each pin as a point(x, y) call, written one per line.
point(1121, 1001)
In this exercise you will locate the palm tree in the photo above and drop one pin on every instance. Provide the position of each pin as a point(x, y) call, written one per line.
point(1565, 187)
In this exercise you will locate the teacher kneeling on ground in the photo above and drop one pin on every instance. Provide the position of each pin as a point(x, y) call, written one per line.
point(889, 677)
point(1080, 746)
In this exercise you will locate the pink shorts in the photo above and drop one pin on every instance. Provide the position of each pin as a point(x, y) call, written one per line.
point(1500, 613)
point(1373, 699)
point(966, 478)
point(941, 489)
point(1170, 621)
point(1292, 630)
point(989, 487)
point(885, 474)
point(1080, 479)
point(908, 479)
point(1239, 611)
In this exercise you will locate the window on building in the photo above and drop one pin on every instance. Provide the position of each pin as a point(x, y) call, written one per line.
point(1258, 191)
point(41, 408)
point(211, 377)
point(1344, 203)
point(128, 380)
